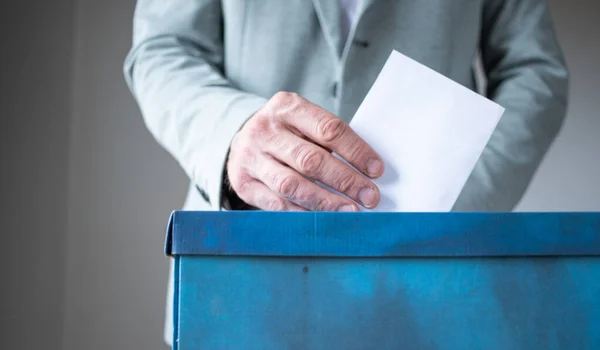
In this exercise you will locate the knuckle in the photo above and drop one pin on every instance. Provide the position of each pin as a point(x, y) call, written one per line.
point(258, 128)
point(309, 160)
point(287, 186)
point(275, 138)
point(345, 182)
point(284, 97)
point(306, 198)
point(242, 184)
point(357, 150)
point(283, 101)
point(323, 204)
point(276, 204)
point(261, 133)
point(330, 129)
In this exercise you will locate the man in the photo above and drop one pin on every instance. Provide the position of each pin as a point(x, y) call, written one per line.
point(251, 97)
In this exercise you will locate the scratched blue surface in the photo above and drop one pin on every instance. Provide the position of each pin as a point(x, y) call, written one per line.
point(459, 281)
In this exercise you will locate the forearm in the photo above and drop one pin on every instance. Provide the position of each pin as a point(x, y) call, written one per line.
point(527, 75)
point(187, 103)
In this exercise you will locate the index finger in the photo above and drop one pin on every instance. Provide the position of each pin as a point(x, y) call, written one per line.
point(329, 131)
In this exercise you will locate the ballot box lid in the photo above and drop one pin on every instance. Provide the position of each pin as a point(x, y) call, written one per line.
point(376, 234)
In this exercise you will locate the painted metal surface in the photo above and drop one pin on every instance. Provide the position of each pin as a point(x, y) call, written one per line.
point(458, 281)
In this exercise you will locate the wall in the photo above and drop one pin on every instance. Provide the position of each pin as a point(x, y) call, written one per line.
point(122, 190)
point(35, 77)
point(123, 185)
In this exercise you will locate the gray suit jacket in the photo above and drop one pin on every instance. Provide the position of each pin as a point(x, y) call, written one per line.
point(200, 68)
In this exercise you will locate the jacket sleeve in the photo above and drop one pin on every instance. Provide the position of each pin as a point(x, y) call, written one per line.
point(175, 72)
point(527, 75)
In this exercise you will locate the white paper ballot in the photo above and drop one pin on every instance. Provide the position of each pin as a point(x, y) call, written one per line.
point(430, 132)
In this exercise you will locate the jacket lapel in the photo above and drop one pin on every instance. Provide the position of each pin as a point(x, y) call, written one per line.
point(330, 19)
point(329, 14)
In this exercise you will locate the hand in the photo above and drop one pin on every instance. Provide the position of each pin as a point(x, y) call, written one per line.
point(290, 140)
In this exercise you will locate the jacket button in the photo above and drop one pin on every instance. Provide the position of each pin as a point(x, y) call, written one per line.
point(362, 43)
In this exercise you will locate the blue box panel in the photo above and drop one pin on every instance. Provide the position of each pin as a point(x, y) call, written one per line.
point(386, 281)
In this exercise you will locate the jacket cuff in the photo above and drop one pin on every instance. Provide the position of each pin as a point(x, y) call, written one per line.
point(219, 142)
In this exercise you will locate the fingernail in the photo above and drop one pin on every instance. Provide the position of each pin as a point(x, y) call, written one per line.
point(367, 196)
point(346, 208)
point(374, 167)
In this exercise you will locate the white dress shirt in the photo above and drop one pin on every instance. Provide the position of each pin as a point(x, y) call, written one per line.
point(350, 9)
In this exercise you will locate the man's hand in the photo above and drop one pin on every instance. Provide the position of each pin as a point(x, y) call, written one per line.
point(290, 140)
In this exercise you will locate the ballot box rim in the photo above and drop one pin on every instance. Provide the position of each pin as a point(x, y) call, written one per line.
point(381, 235)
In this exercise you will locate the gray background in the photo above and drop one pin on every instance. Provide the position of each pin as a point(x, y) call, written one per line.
point(86, 191)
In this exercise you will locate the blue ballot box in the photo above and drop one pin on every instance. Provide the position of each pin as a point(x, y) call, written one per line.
point(263, 280)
